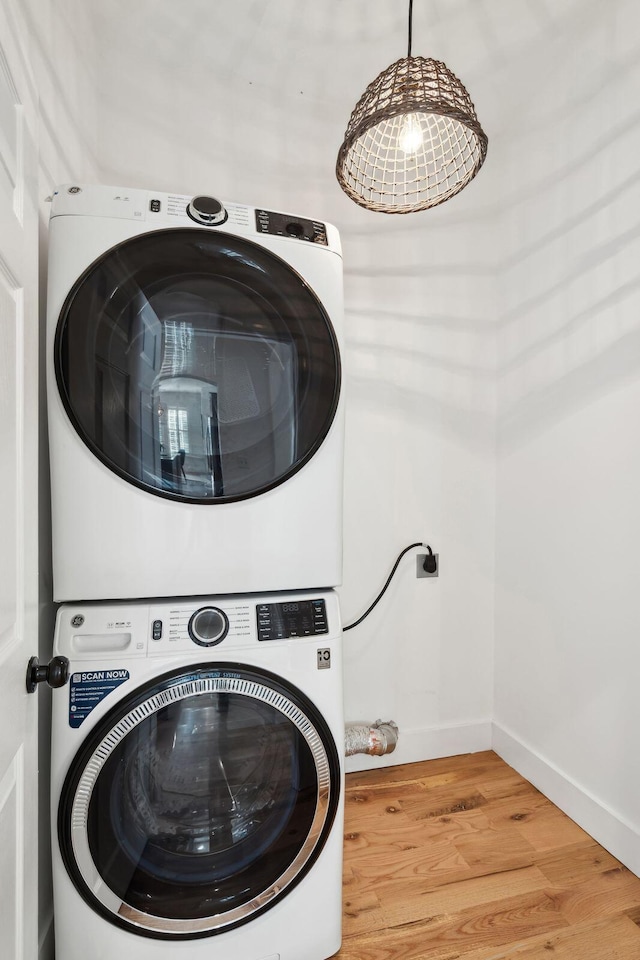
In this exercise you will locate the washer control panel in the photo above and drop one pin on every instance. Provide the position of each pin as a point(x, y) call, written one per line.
point(291, 618)
point(161, 628)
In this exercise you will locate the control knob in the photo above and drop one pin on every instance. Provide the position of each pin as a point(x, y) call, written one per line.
point(208, 626)
point(207, 210)
point(295, 229)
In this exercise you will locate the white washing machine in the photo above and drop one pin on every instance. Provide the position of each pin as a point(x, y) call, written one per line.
point(194, 395)
point(197, 779)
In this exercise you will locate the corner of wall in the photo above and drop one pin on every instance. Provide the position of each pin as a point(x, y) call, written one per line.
point(603, 824)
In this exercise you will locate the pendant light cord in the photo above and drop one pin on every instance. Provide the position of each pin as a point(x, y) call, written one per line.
point(410, 26)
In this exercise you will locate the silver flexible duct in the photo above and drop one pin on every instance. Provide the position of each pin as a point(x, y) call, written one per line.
point(375, 739)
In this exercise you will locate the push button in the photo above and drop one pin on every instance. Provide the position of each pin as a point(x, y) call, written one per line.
point(319, 616)
point(156, 633)
point(154, 206)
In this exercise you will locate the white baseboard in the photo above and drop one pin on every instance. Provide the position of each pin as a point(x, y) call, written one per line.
point(428, 744)
point(602, 823)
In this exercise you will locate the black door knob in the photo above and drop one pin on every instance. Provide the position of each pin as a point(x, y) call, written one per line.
point(55, 673)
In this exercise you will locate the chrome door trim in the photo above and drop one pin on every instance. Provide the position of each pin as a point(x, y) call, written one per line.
point(84, 790)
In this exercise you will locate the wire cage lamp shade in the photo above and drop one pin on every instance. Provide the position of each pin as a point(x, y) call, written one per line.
point(413, 139)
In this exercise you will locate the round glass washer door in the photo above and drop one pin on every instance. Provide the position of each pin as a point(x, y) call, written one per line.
point(199, 803)
point(198, 366)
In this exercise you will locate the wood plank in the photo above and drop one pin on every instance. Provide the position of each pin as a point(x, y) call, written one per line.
point(462, 859)
point(611, 939)
point(413, 772)
point(507, 784)
point(443, 802)
point(401, 902)
point(384, 802)
point(614, 891)
point(634, 914)
point(547, 828)
point(401, 833)
point(500, 848)
point(575, 863)
point(434, 859)
point(446, 936)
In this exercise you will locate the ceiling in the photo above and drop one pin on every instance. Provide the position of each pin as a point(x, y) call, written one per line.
point(256, 94)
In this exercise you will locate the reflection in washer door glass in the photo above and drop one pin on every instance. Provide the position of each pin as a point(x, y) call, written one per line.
point(203, 806)
point(199, 368)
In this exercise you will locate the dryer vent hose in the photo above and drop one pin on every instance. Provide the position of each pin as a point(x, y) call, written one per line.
point(375, 739)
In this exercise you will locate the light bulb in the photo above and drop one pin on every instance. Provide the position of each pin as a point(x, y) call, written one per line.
point(410, 137)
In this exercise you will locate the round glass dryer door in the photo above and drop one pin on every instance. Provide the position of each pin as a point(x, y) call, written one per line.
point(198, 366)
point(199, 803)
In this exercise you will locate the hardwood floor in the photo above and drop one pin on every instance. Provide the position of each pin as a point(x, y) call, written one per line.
point(462, 859)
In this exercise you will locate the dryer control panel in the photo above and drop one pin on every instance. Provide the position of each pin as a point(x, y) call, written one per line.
point(284, 225)
point(160, 210)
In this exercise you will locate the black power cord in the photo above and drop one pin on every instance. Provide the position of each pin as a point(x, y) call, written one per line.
point(430, 565)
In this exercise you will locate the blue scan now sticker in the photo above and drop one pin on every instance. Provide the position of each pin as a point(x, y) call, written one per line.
point(89, 688)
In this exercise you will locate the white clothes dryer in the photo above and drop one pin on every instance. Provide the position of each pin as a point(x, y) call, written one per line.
point(194, 397)
point(197, 779)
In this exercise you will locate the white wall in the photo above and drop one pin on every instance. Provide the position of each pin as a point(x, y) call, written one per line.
point(60, 35)
point(567, 709)
point(249, 102)
point(419, 464)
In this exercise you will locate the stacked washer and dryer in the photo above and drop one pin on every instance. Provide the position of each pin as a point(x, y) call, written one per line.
point(196, 434)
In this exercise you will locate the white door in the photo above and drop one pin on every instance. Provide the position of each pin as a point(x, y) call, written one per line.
point(18, 496)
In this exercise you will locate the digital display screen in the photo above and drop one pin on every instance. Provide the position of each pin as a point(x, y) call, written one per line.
point(297, 618)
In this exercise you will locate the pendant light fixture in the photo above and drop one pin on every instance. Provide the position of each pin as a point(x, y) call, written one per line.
point(413, 139)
